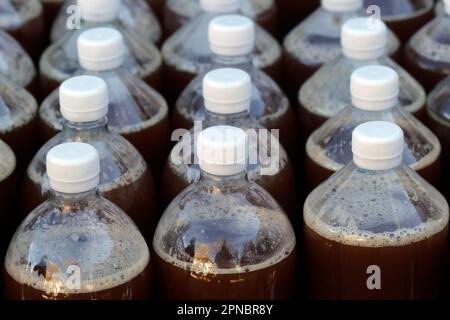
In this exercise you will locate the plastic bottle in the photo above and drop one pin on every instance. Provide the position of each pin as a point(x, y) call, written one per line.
point(224, 237)
point(77, 245)
point(24, 20)
point(18, 129)
point(187, 52)
point(376, 229)
point(60, 60)
point(404, 17)
point(232, 39)
point(134, 15)
point(328, 91)
point(125, 178)
point(16, 64)
point(427, 54)
point(374, 91)
point(136, 111)
point(227, 100)
point(179, 12)
point(316, 41)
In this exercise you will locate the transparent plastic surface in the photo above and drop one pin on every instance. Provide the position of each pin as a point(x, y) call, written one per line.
point(225, 238)
point(136, 111)
point(269, 105)
point(329, 147)
point(18, 111)
point(316, 41)
point(8, 181)
point(404, 17)
point(134, 15)
point(15, 64)
point(179, 12)
point(24, 20)
point(60, 61)
point(332, 81)
point(392, 221)
point(438, 111)
point(124, 179)
point(77, 247)
point(274, 163)
point(427, 54)
point(187, 53)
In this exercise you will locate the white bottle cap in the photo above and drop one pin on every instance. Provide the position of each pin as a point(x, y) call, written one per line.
point(101, 49)
point(222, 150)
point(220, 6)
point(342, 5)
point(231, 35)
point(227, 91)
point(377, 145)
point(84, 99)
point(374, 88)
point(99, 10)
point(447, 6)
point(73, 167)
point(364, 38)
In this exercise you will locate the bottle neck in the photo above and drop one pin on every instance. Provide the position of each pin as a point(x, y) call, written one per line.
point(222, 180)
point(243, 62)
point(213, 118)
point(363, 56)
point(93, 126)
point(67, 201)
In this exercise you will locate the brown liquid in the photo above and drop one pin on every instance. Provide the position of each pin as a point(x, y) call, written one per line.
point(338, 271)
point(292, 12)
point(23, 141)
point(442, 131)
point(309, 121)
point(51, 10)
point(173, 21)
point(316, 174)
point(31, 36)
point(137, 199)
point(404, 27)
point(426, 71)
point(274, 282)
point(281, 186)
point(138, 288)
point(175, 81)
point(157, 7)
point(49, 85)
point(8, 216)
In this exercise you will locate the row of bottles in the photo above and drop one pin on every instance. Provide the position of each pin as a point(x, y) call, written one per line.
point(221, 209)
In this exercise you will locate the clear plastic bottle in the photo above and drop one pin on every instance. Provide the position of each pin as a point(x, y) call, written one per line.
point(376, 229)
point(16, 65)
point(328, 91)
point(227, 99)
point(427, 54)
point(125, 178)
point(179, 12)
point(8, 191)
point(136, 111)
point(187, 52)
point(18, 128)
point(224, 237)
point(77, 245)
point(24, 20)
point(134, 15)
point(374, 91)
point(232, 39)
point(60, 60)
point(404, 17)
point(438, 112)
point(316, 41)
